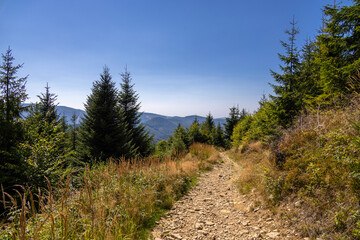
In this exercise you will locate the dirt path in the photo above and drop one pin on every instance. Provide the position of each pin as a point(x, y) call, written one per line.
point(214, 209)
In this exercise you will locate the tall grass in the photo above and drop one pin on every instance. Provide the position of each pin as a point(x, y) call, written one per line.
point(321, 173)
point(118, 200)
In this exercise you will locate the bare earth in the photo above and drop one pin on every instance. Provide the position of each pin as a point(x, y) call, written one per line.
point(214, 209)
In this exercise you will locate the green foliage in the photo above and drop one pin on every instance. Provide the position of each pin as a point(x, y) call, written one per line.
point(287, 99)
point(339, 48)
point(162, 148)
point(44, 149)
point(218, 136)
point(264, 124)
point(231, 121)
point(207, 128)
point(140, 138)
point(179, 141)
point(47, 106)
point(240, 131)
point(12, 95)
point(195, 134)
point(104, 132)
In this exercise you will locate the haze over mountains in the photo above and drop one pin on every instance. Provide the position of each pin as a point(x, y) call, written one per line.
point(160, 126)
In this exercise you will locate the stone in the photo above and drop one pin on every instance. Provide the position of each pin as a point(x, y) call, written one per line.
point(176, 236)
point(273, 234)
point(199, 226)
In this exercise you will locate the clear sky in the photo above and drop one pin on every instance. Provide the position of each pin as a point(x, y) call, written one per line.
point(185, 56)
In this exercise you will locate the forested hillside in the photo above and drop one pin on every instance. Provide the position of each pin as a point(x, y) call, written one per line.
point(301, 147)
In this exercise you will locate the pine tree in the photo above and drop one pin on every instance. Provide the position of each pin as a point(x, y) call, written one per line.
point(339, 48)
point(207, 128)
point(73, 132)
point(231, 121)
point(103, 130)
point(219, 138)
point(286, 99)
point(129, 109)
point(309, 72)
point(44, 148)
point(47, 106)
point(12, 95)
point(195, 134)
point(179, 140)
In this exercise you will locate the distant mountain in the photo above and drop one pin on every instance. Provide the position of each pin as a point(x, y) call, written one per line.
point(160, 126)
point(67, 112)
point(163, 126)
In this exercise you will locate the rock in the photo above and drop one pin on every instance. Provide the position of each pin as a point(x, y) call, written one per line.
point(199, 226)
point(273, 234)
point(176, 236)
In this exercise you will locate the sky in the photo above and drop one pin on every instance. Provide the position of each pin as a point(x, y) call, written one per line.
point(185, 57)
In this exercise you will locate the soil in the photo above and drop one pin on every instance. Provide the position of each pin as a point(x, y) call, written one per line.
point(215, 209)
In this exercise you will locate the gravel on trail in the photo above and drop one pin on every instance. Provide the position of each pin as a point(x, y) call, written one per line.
point(215, 209)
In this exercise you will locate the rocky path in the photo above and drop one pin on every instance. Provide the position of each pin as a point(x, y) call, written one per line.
point(214, 209)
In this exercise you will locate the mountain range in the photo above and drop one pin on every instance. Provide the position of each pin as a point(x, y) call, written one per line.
point(160, 126)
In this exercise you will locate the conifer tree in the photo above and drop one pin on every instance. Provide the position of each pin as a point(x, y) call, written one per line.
point(219, 138)
point(339, 48)
point(73, 132)
point(103, 130)
point(129, 109)
point(231, 121)
point(47, 106)
point(179, 140)
point(44, 148)
point(286, 98)
point(207, 128)
point(195, 133)
point(12, 95)
point(309, 86)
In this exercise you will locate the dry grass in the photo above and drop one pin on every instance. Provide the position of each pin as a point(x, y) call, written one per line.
point(321, 173)
point(118, 200)
point(254, 160)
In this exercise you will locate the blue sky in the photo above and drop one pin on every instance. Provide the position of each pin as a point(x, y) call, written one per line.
point(185, 56)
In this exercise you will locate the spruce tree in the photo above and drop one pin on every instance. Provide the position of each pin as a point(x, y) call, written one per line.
point(103, 130)
point(309, 71)
point(207, 128)
point(195, 134)
point(219, 138)
point(12, 95)
point(129, 109)
point(286, 98)
point(231, 121)
point(47, 106)
point(339, 48)
point(73, 132)
point(179, 140)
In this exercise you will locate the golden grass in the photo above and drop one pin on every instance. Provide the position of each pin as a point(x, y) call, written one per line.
point(321, 173)
point(118, 200)
point(254, 160)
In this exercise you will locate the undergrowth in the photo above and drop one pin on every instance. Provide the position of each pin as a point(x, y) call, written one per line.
point(321, 173)
point(118, 200)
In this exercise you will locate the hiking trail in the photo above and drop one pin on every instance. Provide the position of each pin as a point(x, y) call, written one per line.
point(215, 209)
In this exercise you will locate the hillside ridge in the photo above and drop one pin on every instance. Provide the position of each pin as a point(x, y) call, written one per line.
point(161, 126)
